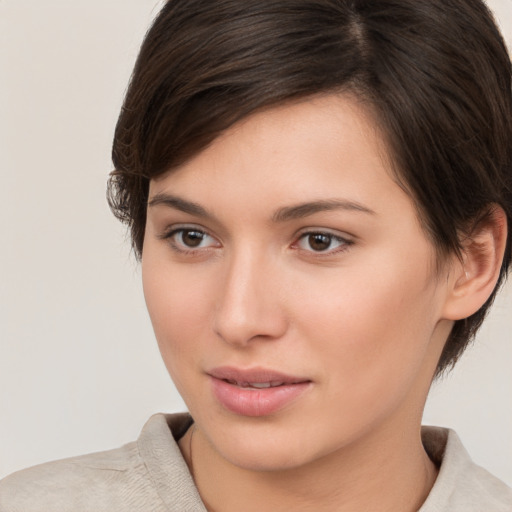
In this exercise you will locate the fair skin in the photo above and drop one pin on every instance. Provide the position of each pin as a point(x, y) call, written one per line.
point(287, 246)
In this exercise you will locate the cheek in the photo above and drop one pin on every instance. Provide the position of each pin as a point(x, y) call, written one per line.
point(371, 329)
point(179, 310)
point(361, 306)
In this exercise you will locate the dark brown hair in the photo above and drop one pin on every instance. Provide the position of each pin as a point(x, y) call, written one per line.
point(436, 74)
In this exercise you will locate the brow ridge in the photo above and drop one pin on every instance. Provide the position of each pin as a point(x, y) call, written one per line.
point(305, 209)
point(179, 204)
point(283, 214)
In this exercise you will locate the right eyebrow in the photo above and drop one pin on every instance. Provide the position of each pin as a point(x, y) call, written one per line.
point(179, 204)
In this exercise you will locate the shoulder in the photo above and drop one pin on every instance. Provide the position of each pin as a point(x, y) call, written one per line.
point(111, 481)
point(75, 483)
point(461, 484)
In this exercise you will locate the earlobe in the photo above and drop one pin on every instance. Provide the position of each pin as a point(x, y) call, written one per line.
point(474, 276)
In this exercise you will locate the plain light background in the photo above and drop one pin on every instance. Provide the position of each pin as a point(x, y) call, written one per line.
point(79, 367)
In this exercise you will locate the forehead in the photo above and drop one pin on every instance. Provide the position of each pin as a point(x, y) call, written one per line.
point(313, 127)
point(320, 145)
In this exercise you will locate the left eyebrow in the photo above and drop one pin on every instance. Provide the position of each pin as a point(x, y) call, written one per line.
point(302, 210)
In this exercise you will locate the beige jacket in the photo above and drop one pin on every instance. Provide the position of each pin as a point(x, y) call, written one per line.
point(150, 475)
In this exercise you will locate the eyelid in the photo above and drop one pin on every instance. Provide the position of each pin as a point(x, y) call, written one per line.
point(345, 239)
point(174, 229)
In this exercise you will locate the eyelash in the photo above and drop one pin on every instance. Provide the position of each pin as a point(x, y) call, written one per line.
point(180, 247)
point(345, 243)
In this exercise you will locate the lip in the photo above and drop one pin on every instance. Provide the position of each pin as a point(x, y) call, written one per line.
point(231, 387)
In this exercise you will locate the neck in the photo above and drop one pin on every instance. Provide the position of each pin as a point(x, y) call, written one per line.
point(388, 471)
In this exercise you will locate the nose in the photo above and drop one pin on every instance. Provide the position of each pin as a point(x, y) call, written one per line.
point(249, 303)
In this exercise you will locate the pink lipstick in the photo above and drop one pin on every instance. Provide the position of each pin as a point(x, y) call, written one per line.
point(255, 392)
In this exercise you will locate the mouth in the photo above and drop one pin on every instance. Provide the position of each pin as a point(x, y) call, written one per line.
point(259, 378)
point(255, 385)
point(255, 392)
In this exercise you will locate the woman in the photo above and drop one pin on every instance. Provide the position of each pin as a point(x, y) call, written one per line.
point(321, 196)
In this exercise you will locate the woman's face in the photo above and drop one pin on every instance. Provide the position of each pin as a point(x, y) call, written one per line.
point(285, 255)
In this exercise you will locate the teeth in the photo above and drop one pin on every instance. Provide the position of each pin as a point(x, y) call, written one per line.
point(262, 385)
point(257, 385)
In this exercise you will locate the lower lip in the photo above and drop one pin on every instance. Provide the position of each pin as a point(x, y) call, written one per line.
point(256, 402)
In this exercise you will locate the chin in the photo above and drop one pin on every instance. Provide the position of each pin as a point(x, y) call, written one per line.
point(265, 460)
point(264, 449)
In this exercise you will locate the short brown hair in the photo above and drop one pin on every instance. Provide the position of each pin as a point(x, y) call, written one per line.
point(436, 73)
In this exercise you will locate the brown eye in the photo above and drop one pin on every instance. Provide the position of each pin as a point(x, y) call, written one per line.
point(319, 241)
point(322, 242)
point(192, 238)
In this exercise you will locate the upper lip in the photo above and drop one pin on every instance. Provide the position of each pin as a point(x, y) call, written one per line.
point(254, 375)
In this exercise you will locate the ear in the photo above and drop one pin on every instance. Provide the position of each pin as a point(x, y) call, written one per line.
point(473, 278)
